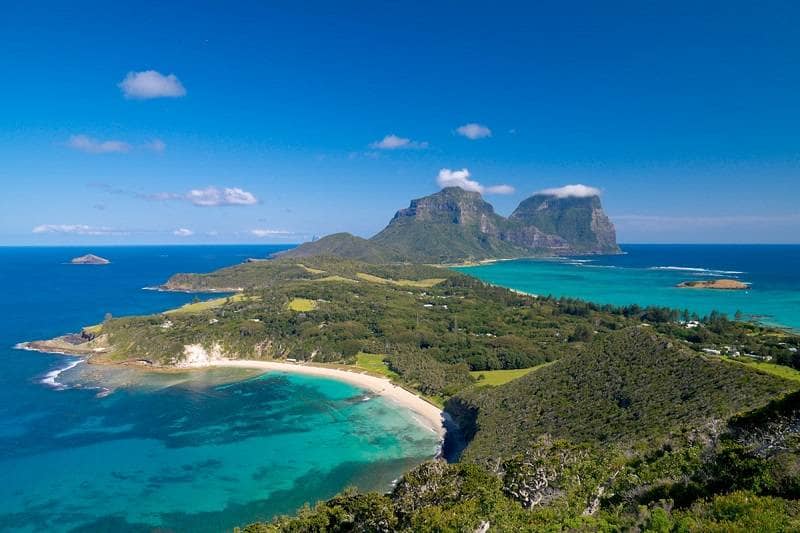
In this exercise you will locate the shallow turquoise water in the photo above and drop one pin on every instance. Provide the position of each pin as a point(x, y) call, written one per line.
point(193, 451)
point(648, 275)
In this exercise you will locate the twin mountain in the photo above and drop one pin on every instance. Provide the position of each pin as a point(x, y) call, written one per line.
point(454, 225)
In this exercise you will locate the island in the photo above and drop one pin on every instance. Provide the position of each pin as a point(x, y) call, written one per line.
point(718, 284)
point(90, 259)
point(563, 414)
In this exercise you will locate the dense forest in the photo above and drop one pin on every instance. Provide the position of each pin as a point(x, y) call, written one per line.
point(642, 419)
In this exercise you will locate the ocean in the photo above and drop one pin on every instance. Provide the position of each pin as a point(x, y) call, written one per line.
point(88, 448)
point(647, 274)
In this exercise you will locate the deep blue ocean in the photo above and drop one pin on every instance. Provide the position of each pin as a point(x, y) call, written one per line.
point(104, 449)
point(647, 274)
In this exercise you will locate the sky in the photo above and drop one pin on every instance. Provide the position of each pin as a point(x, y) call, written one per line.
point(250, 122)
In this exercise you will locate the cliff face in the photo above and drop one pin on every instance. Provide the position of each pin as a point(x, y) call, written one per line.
point(455, 225)
point(452, 206)
point(449, 226)
point(579, 221)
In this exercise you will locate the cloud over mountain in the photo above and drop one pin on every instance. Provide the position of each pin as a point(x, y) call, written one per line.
point(574, 191)
point(461, 178)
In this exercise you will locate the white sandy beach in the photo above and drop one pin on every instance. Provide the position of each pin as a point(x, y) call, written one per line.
point(427, 413)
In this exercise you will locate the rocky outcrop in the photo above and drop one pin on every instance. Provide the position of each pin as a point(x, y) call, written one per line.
point(579, 221)
point(90, 259)
point(718, 284)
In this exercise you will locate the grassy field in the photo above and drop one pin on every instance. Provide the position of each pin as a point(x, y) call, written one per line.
point(422, 283)
point(373, 362)
point(204, 305)
point(336, 278)
point(302, 305)
point(310, 270)
point(493, 378)
point(781, 371)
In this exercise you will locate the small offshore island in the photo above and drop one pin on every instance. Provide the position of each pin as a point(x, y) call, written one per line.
point(718, 284)
point(574, 414)
point(90, 259)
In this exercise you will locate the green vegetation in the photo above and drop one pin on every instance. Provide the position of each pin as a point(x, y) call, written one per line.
point(621, 389)
point(494, 378)
point(302, 305)
point(204, 305)
point(311, 270)
point(781, 371)
point(375, 363)
point(422, 283)
point(348, 246)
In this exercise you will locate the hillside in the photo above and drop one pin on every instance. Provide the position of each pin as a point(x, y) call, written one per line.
point(346, 245)
point(580, 221)
point(554, 451)
point(626, 388)
point(454, 225)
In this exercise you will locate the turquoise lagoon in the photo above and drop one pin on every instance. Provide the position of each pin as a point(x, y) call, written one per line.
point(104, 449)
point(647, 274)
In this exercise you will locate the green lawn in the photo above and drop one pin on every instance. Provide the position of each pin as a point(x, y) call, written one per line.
point(310, 270)
point(205, 305)
point(373, 362)
point(781, 371)
point(422, 283)
point(493, 378)
point(336, 278)
point(302, 305)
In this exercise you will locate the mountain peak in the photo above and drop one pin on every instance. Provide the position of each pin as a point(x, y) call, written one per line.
point(454, 225)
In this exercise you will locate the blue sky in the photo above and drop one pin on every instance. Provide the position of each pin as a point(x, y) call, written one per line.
point(685, 115)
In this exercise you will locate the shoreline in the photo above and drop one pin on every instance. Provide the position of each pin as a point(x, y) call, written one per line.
point(426, 413)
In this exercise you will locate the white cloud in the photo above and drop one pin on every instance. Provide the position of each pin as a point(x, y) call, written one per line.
point(151, 84)
point(474, 131)
point(393, 142)
point(156, 145)
point(461, 178)
point(270, 233)
point(574, 191)
point(183, 232)
point(77, 229)
point(87, 144)
point(212, 196)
